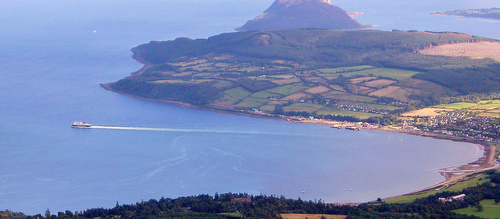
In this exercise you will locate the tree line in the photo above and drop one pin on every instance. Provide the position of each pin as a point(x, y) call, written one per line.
point(262, 206)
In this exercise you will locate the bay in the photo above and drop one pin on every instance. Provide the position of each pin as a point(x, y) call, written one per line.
point(55, 54)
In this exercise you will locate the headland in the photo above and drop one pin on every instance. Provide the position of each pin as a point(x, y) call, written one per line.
point(363, 79)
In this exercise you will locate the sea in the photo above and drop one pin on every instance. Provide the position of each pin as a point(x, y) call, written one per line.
point(54, 54)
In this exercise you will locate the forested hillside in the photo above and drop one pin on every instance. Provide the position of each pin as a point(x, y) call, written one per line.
point(362, 74)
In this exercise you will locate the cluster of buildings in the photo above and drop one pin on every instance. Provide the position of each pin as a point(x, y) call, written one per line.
point(460, 197)
point(458, 124)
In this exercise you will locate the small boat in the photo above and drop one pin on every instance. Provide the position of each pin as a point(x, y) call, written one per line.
point(81, 125)
point(354, 128)
point(337, 126)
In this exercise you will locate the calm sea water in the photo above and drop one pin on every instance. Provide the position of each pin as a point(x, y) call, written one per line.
point(55, 53)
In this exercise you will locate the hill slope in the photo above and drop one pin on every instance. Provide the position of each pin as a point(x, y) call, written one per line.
point(296, 14)
point(358, 74)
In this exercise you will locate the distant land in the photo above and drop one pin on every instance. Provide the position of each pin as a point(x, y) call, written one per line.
point(364, 75)
point(491, 13)
point(296, 14)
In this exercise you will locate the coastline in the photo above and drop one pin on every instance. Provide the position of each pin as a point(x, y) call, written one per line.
point(452, 174)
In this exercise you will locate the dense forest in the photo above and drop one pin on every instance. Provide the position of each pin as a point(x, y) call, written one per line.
point(260, 206)
point(318, 47)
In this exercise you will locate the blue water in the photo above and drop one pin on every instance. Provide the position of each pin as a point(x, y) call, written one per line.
point(55, 53)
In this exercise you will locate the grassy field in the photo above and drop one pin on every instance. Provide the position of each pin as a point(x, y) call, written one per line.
point(460, 105)
point(269, 107)
point(473, 181)
point(397, 74)
point(490, 210)
point(362, 79)
point(497, 102)
point(227, 100)
point(238, 93)
point(329, 76)
point(345, 69)
point(297, 96)
point(490, 108)
point(286, 81)
point(361, 115)
point(348, 96)
point(379, 83)
point(307, 107)
point(263, 94)
point(287, 89)
point(252, 102)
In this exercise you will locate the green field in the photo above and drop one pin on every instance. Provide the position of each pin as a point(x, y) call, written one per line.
point(475, 180)
point(227, 100)
point(345, 69)
point(287, 89)
point(361, 115)
point(306, 107)
point(490, 108)
point(490, 210)
point(487, 104)
point(238, 93)
point(329, 76)
point(286, 81)
point(461, 105)
point(268, 107)
point(357, 98)
point(252, 102)
point(263, 94)
point(397, 74)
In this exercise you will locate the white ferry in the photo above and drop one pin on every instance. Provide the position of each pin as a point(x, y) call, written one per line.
point(81, 125)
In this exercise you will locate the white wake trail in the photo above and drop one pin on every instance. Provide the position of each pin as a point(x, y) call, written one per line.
point(181, 130)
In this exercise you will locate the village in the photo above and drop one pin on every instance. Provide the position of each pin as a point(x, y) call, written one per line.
point(457, 125)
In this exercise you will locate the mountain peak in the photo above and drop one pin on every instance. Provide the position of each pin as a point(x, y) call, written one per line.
point(289, 3)
point(297, 14)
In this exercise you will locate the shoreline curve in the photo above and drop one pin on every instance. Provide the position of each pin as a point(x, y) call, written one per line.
point(452, 174)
